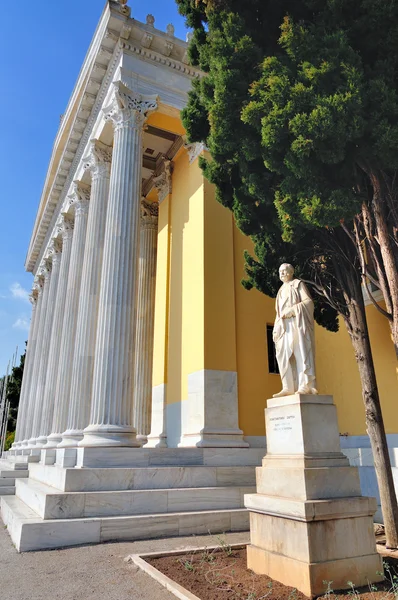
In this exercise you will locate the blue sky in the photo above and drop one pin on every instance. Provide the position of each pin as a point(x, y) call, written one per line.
point(42, 45)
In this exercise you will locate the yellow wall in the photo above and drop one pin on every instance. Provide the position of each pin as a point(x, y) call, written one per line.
point(219, 291)
point(337, 372)
point(160, 353)
point(186, 324)
point(254, 311)
point(204, 318)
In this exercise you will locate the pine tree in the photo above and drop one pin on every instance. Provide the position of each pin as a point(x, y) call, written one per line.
point(13, 392)
point(299, 110)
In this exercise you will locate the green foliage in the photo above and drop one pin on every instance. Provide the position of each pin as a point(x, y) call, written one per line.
point(13, 392)
point(299, 110)
point(9, 440)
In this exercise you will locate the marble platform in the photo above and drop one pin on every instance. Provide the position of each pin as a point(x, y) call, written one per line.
point(131, 494)
point(309, 523)
point(9, 472)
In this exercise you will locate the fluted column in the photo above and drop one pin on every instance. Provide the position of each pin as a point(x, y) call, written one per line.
point(55, 258)
point(29, 359)
point(45, 281)
point(145, 319)
point(51, 410)
point(98, 162)
point(111, 418)
point(28, 418)
point(80, 197)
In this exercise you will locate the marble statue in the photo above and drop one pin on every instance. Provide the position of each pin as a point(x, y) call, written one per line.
point(294, 335)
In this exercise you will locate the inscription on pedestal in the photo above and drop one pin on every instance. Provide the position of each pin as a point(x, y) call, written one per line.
point(284, 423)
point(301, 424)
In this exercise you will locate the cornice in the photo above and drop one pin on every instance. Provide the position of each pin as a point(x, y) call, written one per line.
point(158, 58)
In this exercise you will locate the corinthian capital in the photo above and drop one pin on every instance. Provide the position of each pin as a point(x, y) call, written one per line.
point(34, 295)
point(163, 181)
point(98, 159)
point(79, 197)
point(194, 150)
point(128, 108)
point(149, 214)
point(67, 226)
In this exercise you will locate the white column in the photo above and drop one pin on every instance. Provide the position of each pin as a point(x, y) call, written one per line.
point(28, 417)
point(111, 410)
point(145, 319)
point(50, 410)
point(29, 359)
point(45, 278)
point(158, 434)
point(55, 257)
point(98, 162)
point(80, 197)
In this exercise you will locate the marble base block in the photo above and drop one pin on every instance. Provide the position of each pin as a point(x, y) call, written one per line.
point(209, 416)
point(48, 456)
point(310, 578)
point(309, 523)
point(66, 457)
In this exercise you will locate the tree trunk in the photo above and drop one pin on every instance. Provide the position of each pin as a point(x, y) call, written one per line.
point(356, 324)
point(386, 250)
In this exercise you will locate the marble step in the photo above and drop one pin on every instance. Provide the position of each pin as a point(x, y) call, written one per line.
point(7, 490)
point(6, 481)
point(89, 480)
point(24, 459)
point(7, 465)
point(50, 503)
point(29, 532)
point(16, 474)
point(157, 457)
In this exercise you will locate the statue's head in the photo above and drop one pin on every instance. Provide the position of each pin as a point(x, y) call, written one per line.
point(286, 272)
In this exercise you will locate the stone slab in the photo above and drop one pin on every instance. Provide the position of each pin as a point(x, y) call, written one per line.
point(316, 541)
point(121, 478)
point(29, 532)
point(311, 510)
point(7, 490)
point(50, 503)
point(152, 457)
point(310, 578)
point(301, 425)
point(308, 484)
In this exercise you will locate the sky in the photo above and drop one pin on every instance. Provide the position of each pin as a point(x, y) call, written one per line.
point(42, 47)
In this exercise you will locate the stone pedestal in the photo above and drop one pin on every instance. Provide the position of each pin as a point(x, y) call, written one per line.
point(309, 523)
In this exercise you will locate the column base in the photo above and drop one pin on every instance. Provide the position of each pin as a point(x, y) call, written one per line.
point(142, 439)
point(109, 436)
point(211, 438)
point(71, 438)
point(156, 441)
point(41, 441)
point(31, 443)
point(158, 436)
point(53, 440)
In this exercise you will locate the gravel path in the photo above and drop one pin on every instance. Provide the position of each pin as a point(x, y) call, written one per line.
point(87, 572)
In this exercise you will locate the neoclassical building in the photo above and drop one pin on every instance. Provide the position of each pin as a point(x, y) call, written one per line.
point(142, 340)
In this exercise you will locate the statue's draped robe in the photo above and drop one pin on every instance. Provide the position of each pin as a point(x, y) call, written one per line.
point(295, 295)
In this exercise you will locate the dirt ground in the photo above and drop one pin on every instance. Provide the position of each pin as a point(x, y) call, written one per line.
point(87, 572)
point(223, 575)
